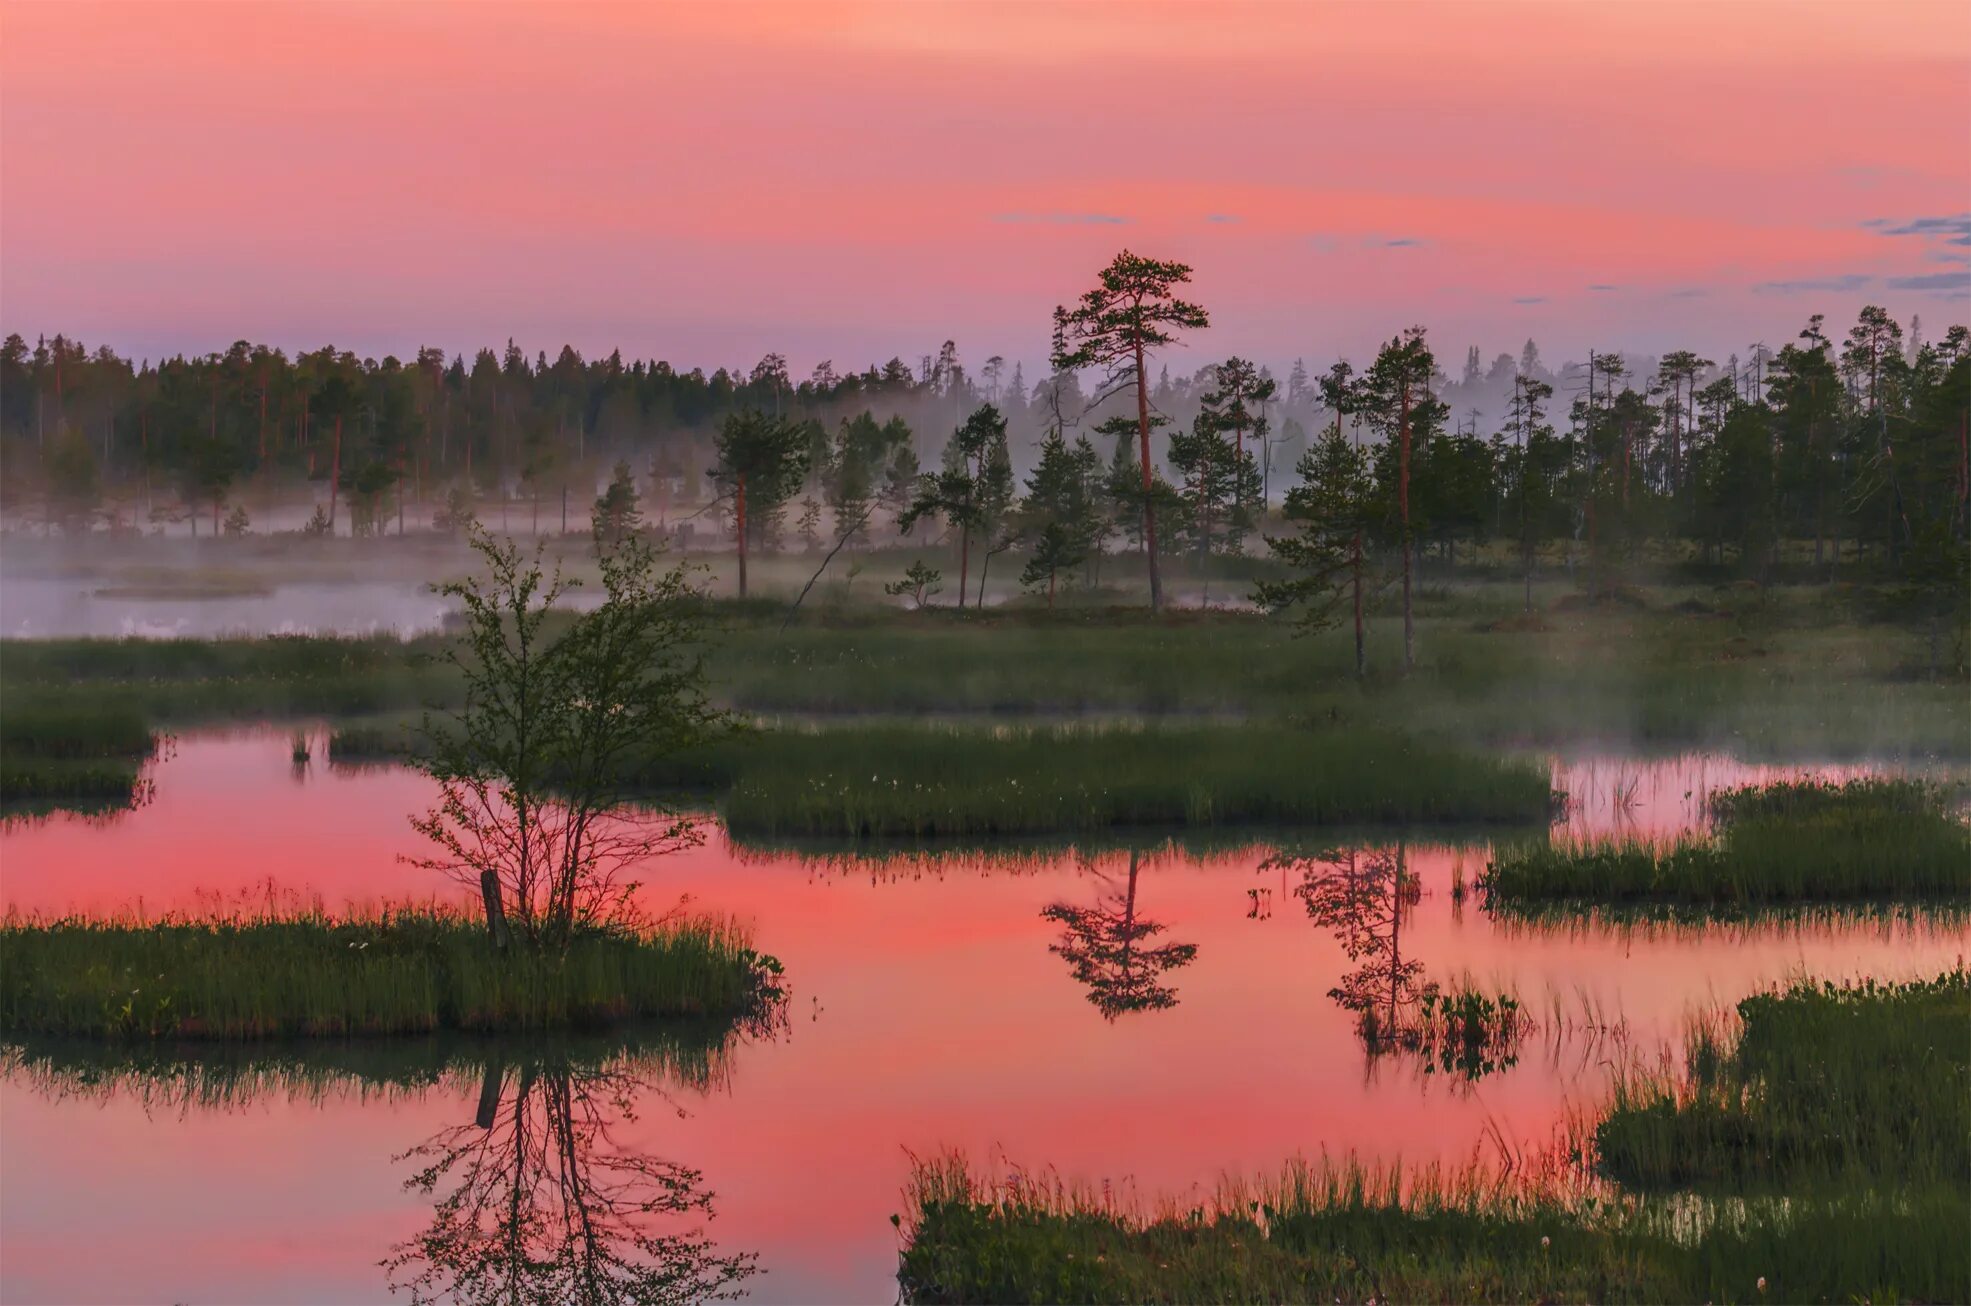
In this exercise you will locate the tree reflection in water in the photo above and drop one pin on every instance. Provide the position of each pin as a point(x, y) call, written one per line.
point(1108, 949)
point(541, 1202)
point(537, 1198)
point(1365, 896)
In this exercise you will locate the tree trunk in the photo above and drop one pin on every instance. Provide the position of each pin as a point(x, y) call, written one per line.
point(489, 890)
point(335, 470)
point(1149, 498)
point(1403, 503)
point(1361, 654)
point(964, 562)
point(739, 516)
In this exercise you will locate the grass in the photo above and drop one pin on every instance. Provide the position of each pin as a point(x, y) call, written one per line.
point(1344, 1232)
point(71, 756)
point(917, 782)
point(875, 781)
point(400, 973)
point(1816, 1085)
point(1785, 843)
point(1787, 675)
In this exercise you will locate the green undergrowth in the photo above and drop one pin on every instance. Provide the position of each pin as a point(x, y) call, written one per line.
point(1349, 1234)
point(1818, 1084)
point(400, 973)
point(902, 781)
point(1790, 842)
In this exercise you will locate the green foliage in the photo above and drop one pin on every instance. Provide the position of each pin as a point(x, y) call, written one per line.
point(1853, 1085)
point(400, 973)
point(1786, 843)
point(918, 581)
point(530, 764)
point(924, 782)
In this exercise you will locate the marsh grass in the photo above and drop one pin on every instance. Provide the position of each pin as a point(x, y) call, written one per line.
point(1780, 843)
point(70, 755)
point(1343, 1231)
point(1654, 678)
point(396, 973)
point(1812, 1086)
point(918, 782)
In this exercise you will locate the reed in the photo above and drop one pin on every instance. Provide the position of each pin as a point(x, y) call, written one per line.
point(1344, 1231)
point(1784, 843)
point(1818, 1084)
point(926, 782)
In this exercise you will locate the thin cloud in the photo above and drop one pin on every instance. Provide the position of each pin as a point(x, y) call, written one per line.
point(1603, 285)
point(1932, 281)
point(1062, 219)
point(1956, 226)
point(1846, 281)
point(1221, 217)
point(1403, 242)
point(1529, 299)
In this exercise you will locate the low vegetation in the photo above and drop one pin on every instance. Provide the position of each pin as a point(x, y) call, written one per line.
point(1784, 843)
point(1816, 1085)
point(1351, 1234)
point(409, 972)
point(64, 754)
point(1827, 1145)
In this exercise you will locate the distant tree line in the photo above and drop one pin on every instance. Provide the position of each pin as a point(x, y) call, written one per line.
point(1850, 443)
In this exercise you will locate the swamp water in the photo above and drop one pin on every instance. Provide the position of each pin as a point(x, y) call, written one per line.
point(1016, 1006)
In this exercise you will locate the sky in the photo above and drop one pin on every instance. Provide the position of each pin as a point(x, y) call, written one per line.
point(851, 181)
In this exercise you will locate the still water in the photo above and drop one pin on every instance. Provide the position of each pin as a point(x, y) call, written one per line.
point(936, 1004)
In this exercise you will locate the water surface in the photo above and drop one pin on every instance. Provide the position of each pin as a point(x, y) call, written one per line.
point(965, 1000)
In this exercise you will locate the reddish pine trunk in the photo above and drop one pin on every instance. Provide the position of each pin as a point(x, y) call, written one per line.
point(740, 516)
point(335, 470)
point(1149, 499)
point(1403, 505)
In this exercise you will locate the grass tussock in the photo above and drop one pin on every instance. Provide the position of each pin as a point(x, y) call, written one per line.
point(67, 754)
point(1814, 1085)
point(916, 782)
point(1349, 1233)
point(1782, 843)
point(410, 972)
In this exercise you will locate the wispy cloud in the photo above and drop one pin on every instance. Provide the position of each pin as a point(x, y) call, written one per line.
point(1402, 242)
point(1061, 219)
point(1603, 285)
point(1221, 217)
point(1932, 281)
point(1529, 299)
point(1845, 281)
point(1955, 228)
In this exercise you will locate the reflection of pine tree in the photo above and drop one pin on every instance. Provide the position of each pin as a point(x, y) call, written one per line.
point(544, 1206)
point(1363, 895)
point(1107, 950)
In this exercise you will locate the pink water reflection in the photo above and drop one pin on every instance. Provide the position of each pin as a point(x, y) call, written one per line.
point(928, 1012)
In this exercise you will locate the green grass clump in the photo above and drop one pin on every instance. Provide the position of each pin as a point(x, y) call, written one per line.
point(927, 782)
point(1824, 1084)
point(70, 754)
point(1790, 842)
point(402, 973)
point(1345, 1233)
point(1888, 796)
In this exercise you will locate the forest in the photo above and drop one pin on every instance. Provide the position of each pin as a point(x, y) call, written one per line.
point(1840, 447)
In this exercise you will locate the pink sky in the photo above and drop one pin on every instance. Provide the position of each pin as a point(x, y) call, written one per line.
point(851, 181)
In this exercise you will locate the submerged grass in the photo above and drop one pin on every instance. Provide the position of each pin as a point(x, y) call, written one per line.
point(1819, 1084)
point(1787, 842)
point(410, 972)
